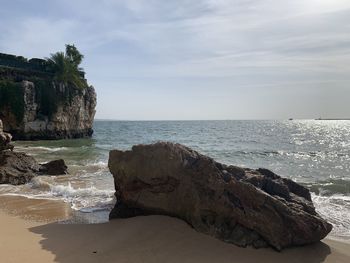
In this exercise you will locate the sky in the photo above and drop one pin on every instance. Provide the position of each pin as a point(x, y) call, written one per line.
point(196, 59)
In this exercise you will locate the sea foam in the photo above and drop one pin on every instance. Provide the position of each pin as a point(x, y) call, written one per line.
point(336, 210)
point(87, 199)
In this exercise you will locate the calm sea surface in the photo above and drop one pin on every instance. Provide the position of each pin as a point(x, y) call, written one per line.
point(315, 153)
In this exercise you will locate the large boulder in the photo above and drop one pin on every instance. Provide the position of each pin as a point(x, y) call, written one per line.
point(240, 206)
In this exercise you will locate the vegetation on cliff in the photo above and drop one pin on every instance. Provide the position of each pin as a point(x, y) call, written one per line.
point(66, 67)
point(56, 80)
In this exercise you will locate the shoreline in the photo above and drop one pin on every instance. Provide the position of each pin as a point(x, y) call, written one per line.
point(141, 239)
point(49, 211)
point(35, 210)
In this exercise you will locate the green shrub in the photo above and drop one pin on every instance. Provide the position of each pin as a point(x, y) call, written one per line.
point(65, 66)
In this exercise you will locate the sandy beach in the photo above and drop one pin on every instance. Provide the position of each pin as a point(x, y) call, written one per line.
point(175, 131)
point(140, 239)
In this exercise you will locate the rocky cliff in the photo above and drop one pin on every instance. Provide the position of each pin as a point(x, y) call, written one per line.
point(33, 106)
point(236, 205)
point(70, 117)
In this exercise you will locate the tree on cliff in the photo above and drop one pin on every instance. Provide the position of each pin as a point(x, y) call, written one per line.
point(65, 66)
point(74, 55)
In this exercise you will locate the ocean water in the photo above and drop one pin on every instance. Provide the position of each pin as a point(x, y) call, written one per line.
point(315, 153)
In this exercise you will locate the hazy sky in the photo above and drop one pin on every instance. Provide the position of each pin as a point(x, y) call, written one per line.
point(196, 59)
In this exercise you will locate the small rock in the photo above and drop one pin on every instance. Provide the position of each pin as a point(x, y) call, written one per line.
point(56, 167)
point(5, 139)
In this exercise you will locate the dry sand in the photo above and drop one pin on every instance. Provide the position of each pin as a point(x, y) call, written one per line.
point(140, 239)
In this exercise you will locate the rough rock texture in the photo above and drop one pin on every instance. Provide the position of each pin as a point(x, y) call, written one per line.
point(73, 119)
point(19, 168)
point(240, 206)
point(5, 139)
point(56, 167)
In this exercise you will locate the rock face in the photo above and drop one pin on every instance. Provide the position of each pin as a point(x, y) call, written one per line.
point(56, 167)
point(240, 206)
point(5, 139)
point(19, 168)
point(72, 118)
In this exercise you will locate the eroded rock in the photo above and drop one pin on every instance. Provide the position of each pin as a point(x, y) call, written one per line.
point(5, 139)
point(56, 167)
point(72, 118)
point(241, 206)
point(19, 168)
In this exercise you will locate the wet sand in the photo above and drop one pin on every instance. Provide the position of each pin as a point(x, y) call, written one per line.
point(40, 210)
point(140, 239)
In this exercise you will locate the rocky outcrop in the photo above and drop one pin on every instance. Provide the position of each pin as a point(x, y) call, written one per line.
point(5, 139)
point(56, 167)
point(240, 206)
point(72, 116)
point(19, 168)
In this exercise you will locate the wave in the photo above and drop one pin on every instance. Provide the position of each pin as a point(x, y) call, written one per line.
point(82, 198)
point(67, 191)
point(262, 153)
point(330, 187)
point(336, 210)
point(93, 171)
point(88, 199)
point(100, 164)
point(311, 154)
point(6, 188)
point(41, 148)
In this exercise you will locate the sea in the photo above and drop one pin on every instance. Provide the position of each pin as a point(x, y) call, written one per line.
point(314, 153)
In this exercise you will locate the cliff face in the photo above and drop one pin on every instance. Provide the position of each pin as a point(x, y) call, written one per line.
point(48, 110)
point(46, 99)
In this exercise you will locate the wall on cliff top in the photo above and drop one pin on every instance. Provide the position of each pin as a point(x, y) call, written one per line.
point(33, 106)
point(19, 62)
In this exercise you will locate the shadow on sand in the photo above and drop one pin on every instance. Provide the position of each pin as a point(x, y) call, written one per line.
point(157, 239)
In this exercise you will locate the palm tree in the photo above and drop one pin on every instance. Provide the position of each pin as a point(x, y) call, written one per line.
point(65, 67)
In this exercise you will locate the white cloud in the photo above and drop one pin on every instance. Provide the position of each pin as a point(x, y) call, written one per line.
point(262, 43)
point(37, 36)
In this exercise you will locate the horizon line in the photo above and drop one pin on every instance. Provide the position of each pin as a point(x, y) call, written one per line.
point(277, 119)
